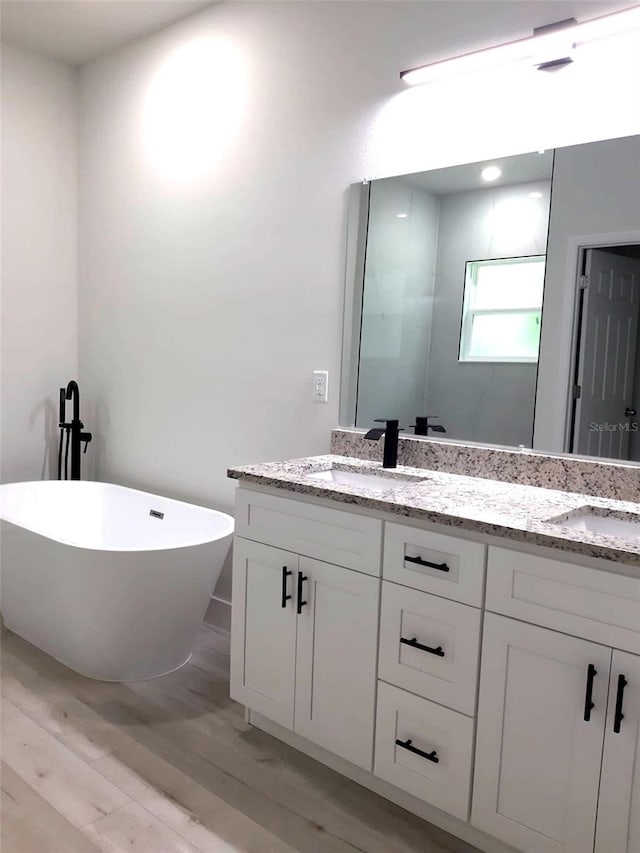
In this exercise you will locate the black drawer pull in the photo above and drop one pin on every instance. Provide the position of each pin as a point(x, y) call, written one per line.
point(441, 567)
point(430, 756)
point(416, 645)
point(588, 699)
point(619, 716)
point(301, 579)
point(285, 574)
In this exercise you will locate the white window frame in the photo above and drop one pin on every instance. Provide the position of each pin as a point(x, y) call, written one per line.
point(468, 313)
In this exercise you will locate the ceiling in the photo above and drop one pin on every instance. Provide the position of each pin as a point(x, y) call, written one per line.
point(79, 31)
point(519, 169)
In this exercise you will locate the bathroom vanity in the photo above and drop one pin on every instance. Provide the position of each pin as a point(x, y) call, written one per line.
point(458, 645)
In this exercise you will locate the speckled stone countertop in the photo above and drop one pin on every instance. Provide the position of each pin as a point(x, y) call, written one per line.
point(516, 512)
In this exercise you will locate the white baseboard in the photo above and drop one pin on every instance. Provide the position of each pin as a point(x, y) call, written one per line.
point(219, 614)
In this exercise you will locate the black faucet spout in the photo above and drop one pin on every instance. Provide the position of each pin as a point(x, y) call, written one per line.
point(374, 434)
point(74, 391)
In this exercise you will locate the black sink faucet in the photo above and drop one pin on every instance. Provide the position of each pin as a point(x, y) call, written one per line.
point(74, 428)
point(391, 433)
point(422, 425)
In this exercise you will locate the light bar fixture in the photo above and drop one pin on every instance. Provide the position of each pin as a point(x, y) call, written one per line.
point(549, 47)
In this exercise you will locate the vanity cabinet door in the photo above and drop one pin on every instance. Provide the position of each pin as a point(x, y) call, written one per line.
point(619, 806)
point(336, 660)
point(263, 631)
point(537, 758)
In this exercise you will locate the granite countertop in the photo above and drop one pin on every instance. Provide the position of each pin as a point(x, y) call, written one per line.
point(516, 512)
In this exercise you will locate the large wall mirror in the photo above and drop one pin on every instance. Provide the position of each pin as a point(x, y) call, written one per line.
point(501, 300)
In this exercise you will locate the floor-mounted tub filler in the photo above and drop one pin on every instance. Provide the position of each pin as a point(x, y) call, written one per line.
point(111, 581)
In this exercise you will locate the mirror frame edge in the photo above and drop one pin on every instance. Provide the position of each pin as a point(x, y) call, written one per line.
point(356, 244)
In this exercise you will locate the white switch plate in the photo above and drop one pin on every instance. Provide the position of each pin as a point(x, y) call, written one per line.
point(321, 386)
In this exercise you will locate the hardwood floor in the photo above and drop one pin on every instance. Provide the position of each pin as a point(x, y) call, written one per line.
point(170, 765)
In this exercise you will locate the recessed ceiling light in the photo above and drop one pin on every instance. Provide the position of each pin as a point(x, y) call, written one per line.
point(402, 215)
point(491, 173)
point(535, 195)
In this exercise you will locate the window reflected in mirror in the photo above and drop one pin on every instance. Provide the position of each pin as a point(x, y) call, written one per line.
point(502, 308)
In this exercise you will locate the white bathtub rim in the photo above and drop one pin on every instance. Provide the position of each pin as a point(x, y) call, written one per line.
point(143, 549)
point(227, 521)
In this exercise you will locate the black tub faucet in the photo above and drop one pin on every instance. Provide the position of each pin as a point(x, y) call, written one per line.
point(391, 433)
point(73, 430)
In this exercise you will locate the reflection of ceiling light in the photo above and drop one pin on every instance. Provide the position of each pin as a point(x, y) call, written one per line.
point(490, 173)
point(402, 215)
point(535, 195)
point(548, 47)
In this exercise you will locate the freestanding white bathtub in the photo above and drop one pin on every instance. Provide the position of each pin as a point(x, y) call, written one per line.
point(111, 581)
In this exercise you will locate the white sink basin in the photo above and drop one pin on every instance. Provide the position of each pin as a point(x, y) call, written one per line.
point(373, 482)
point(607, 525)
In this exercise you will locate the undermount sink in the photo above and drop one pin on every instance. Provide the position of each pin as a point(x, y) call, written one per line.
point(595, 520)
point(372, 482)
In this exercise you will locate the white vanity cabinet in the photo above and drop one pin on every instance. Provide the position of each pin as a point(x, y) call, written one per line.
point(304, 635)
point(263, 632)
point(346, 624)
point(537, 760)
point(556, 764)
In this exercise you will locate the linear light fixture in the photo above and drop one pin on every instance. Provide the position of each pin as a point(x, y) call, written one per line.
point(549, 47)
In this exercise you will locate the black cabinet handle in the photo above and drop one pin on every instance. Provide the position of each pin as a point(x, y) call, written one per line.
point(619, 716)
point(588, 703)
point(416, 645)
point(430, 756)
point(285, 574)
point(301, 579)
point(441, 567)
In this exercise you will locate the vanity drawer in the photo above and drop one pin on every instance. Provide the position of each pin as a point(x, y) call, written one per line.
point(342, 538)
point(433, 562)
point(445, 669)
point(597, 605)
point(444, 778)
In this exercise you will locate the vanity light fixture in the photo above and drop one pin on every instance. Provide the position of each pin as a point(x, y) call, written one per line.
point(553, 46)
point(549, 47)
point(490, 173)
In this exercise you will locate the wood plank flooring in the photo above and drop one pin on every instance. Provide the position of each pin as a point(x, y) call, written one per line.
point(169, 766)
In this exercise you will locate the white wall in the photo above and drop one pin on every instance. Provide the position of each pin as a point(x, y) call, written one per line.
point(493, 402)
point(213, 203)
point(39, 258)
point(397, 303)
point(596, 194)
